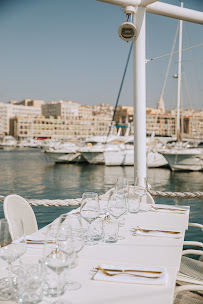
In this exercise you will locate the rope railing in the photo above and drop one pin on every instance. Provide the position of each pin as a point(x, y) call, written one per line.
point(77, 201)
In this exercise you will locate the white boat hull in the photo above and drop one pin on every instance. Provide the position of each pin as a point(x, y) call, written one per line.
point(126, 158)
point(58, 157)
point(94, 157)
point(187, 160)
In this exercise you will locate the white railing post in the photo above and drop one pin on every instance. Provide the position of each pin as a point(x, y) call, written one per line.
point(139, 95)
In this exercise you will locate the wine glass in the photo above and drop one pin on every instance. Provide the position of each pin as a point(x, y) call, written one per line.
point(57, 251)
point(11, 250)
point(75, 222)
point(117, 205)
point(122, 185)
point(140, 189)
point(89, 211)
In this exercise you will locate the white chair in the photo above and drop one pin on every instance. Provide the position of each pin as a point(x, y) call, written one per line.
point(191, 270)
point(18, 209)
point(182, 298)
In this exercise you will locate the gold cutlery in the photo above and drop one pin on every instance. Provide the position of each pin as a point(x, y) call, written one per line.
point(129, 270)
point(170, 209)
point(128, 273)
point(39, 242)
point(164, 231)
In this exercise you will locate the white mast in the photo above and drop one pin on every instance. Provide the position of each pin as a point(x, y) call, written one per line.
point(178, 133)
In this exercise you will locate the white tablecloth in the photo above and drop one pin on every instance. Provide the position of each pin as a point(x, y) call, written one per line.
point(133, 250)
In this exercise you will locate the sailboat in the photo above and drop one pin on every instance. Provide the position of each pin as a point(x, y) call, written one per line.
point(180, 157)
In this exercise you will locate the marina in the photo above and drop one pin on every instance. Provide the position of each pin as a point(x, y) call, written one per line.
point(28, 173)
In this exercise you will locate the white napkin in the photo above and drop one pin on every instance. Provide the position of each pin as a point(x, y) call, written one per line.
point(126, 278)
point(159, 234)
point(174, 209)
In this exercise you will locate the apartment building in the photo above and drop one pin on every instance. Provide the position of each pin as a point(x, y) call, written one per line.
point(193, 126)
point(61, 108)
point(73, 127)
point(10, 110)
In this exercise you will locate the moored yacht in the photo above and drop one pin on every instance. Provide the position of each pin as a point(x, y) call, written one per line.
point(184, 159)
point(8, 142)
point(64, 153)
point(124, 156)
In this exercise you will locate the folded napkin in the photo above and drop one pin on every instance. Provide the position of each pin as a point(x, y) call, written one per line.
point(127, 278)
point(156, 233)
point(170, 208)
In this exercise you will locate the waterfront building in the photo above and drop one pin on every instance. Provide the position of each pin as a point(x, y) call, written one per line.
point(12, 109)
point(193, 126)
point(103, 109)
point(64, 109)
point(60, 128)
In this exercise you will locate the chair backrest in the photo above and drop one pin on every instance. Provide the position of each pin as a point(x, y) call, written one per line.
point(17, 208)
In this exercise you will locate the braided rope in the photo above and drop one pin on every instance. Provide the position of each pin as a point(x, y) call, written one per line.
point(76, 202)
point(186, 195)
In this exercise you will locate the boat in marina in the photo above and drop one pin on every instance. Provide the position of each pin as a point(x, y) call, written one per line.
point(8, 143)
point(124, 156)
point(64, 153)
point(182, 156)
point(184, 159)
point(94, 154)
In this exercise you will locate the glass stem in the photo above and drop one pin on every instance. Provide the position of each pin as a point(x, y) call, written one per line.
point(89, 239)
point(58, 284)
point(69, 274)
point(9, 275)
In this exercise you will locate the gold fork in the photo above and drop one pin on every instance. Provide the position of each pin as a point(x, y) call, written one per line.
point(132, 274)
point(147, 231)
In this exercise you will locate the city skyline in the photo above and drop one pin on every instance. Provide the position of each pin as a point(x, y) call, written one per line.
point(71, 51)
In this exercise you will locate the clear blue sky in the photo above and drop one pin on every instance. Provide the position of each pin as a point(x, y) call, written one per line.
point(70, 49)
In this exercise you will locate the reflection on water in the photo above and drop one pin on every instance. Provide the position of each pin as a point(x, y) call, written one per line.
point(27, 173)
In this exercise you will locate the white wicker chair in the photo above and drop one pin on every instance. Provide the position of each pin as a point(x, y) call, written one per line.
point(17, 208)
point(187, 298)
point(191, 270)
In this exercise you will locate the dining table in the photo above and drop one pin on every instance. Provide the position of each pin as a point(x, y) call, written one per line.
point(137, 250)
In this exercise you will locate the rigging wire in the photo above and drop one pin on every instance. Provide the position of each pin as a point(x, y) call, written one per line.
point(165, 81)
point(189, 48)
point(119, 92)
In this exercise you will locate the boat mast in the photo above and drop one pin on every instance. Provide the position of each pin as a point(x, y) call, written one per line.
point(178, 133)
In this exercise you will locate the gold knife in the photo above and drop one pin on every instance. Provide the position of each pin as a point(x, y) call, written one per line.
point(151, 230)
point(130, 270)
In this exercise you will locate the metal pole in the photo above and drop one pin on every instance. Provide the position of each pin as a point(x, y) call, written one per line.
point(178, 133)
point(139, 92)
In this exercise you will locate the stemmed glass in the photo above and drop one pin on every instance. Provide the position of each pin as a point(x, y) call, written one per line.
point(75, 222)
point(141, 191)
point(89, 211)
point(117, 205)
point(11, 250)
point(57, 255)
point(122, 186)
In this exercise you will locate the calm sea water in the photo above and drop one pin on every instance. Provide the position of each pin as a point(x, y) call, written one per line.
point(29, 174)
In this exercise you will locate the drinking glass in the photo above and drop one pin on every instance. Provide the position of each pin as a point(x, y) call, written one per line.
point(122, 184)
point(56, 257)
point(117, 205)
point(10, 251)
point(31, 281)
point(89, 211)
point(74, 221)
point(141, 191)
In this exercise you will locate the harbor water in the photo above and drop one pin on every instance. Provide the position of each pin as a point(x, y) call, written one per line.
point(29, 174)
